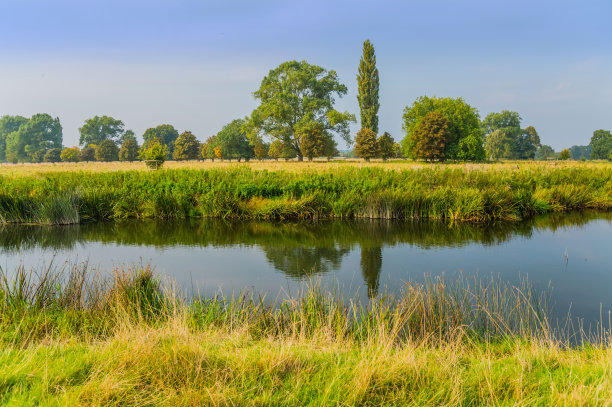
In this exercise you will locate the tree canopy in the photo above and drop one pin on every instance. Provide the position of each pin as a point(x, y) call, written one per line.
point(367, 86)
point(601, 144)
point(107, 150)
point(233, 141)
point(430, 137)
point(508, 140)
point(465, 143)
point(294, 95)
point(129, 149)
point(70, 154)
point(33, 138)
point(386, 146)
point(8, 125)
point(100, 128)
point(164, 133)
point(186, 147)
point(366, 145)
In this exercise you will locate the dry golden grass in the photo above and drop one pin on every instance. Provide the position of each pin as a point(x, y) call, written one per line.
point(29, 169)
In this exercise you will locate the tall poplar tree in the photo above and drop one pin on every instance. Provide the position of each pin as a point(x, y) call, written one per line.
point(367, 82)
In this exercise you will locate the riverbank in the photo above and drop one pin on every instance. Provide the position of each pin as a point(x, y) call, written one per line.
point(456, 192)
point(130, 340)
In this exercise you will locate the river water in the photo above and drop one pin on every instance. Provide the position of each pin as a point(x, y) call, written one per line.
point(571, 253)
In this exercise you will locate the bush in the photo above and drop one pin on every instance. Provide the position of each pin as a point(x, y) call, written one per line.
point(70, 155)
point(53, 155)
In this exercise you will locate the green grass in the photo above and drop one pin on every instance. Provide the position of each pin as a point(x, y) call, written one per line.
point(76, 338)
point(435, 192)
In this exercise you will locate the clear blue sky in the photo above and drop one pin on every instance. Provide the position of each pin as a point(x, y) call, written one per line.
point(195, 64)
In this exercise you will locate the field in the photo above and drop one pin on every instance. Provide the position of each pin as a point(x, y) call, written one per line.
point(130, 340)
point(73, 193)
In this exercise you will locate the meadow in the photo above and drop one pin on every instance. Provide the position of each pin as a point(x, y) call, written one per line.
point(82, 192)
point(129, 339)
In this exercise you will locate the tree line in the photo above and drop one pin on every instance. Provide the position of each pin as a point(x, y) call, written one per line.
point(296, 118)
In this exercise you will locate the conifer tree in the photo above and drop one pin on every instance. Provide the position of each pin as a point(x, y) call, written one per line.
point(386, 146)
point(367, 82)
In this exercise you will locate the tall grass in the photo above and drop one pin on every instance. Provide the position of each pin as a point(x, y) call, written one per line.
point(437, 192)
point(128, 339)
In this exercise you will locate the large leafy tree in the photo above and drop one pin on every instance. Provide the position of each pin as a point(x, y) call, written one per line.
point(601, 144)
point(292, 96)
point(129, 149)
point(8, 125)
point(367, 85)
point(366, 145)
point(276, 149)
point(466, 142)
point(386, 146)
point(233, 141)
point(430, 137)
point(107, 151)
point(313, 140)
point(164, 133)
point(581, 152)
point(34, 138)
point(186, 147)
point(515, 143)
point(545, 152)
point(100, 128)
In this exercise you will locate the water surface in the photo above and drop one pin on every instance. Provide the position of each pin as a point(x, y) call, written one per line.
point(572, 253)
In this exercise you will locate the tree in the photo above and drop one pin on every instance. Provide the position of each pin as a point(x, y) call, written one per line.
point(331, 148)
point(207, 149)
point(261, 150)
point(288, 152)
point(8, 125)
point(385, 146)
point(601, 144)
point(581, 152)
point(366, 146)
point(164, 133)
point(53, 155)
point(430, 137)
point(367, 85)
point(33, 138)
point(70, 155)
point(312, 140)
point(186, 147)
point(292, 96)
point(397, 150)
point(517, 143)
point(218, 153)
point(88, 153)
point(545, 152)
point(233, 141)
point(276, 149)
point(154, 153)
point(100, 128)
point(466, 142)
point(107, 151)
point(129, 135)
point(129, 149)
point(565, 154)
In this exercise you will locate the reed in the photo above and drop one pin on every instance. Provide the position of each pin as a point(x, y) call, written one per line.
point(450, 193)
point(78, 337)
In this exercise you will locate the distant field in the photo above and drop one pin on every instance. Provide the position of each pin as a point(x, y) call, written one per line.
point(270, 165)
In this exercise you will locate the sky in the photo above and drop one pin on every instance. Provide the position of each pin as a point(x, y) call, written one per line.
point(195, 64)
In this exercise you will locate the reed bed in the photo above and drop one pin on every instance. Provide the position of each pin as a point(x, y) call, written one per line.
point(455, 193)
point(77, 337)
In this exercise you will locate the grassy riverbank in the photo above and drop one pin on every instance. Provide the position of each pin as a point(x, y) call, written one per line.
point(339, 190)
point(129, 340)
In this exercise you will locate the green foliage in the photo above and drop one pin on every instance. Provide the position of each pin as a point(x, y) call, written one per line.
point(465, 142)
point(260, 150)
point(545, 152)
point(430, 137)
point(508, 139)
point(207, 149)
point(88, 153)
point(154, 150)
point(33, 138)
point(8, 124)
point(107, 150)
point(331, 148)
point(366, 146)
point(100, 128)
point(276, 149)
point(70, 155)
point(601, 144)
point(164, 133)
point(288, 152)
point(565, 154)
point(53, 155)
point(581, 152)
point(367, 85)
point(386, 146)
point(129, 135)
point(233, 141)
point(313, 140)
point(291, 97)
point(129, 149)
point(186, 147)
